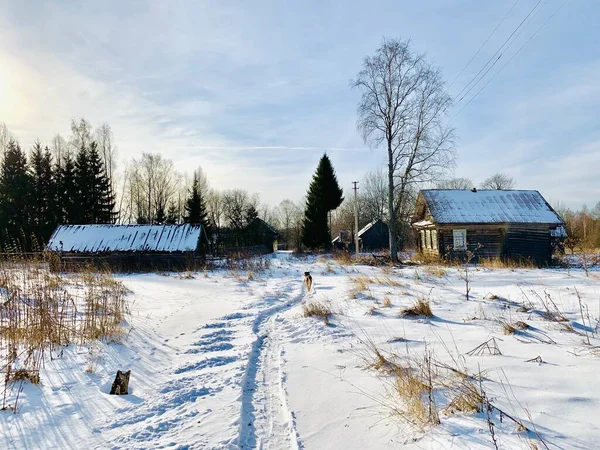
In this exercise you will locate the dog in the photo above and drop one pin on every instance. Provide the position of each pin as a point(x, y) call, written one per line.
point(308, 281)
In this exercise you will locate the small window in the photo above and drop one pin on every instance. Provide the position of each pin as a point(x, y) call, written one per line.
point(460, 239)
point(428, 239)
point(434, 240)
point(423, 242)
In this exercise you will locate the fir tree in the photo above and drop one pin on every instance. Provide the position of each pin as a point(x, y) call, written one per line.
point(93, 188)
point(161, 215)
point(195, 208)
point(172, 214)
point(15, 197)
point(324, 195)
point(43, 213)
point(67, 192)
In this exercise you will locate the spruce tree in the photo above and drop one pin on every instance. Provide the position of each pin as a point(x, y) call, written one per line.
point(83, 182)
point(15, 198)
point(161, 215)
point(93, 188)
point(67, 191)
point(172, 214)
point(324, 195)
point(102, 196)
point(42, 196)
point(333, 194)
point(195, 208)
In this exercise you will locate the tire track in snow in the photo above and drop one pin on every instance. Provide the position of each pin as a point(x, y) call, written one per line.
point(265, 419)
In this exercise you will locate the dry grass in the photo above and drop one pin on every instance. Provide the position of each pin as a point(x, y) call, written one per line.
point(505, 263)
point(387, 302)
point(343, 258)
point(361, 282)
point(420, 308)
point(467, 398)
point(436, 271)
point(319, 310)
point(41, 311)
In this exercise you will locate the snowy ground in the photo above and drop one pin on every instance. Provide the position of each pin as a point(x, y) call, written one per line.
point(220, 361)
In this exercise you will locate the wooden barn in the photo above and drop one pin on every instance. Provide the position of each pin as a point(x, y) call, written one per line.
point(372, 237)
point(510, 224)
point(128, 247)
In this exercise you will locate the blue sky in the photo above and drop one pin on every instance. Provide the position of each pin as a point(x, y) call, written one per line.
point(255, 92)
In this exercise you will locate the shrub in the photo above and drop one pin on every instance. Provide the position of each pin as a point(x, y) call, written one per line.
point(420, 308)
point(314, 309)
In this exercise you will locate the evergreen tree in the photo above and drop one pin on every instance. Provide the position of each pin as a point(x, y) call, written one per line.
point(324, 195)
point(15, 197)
point(93, 187)
point(161, 215)
point(195, 208)
point(83, 182)
point(172, 214)
point(42, 205)
point(67, 192)
point(332, 193)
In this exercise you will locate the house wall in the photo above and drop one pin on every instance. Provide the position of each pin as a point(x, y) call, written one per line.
point(128, 262)
point(518, 241)
point(376, 238)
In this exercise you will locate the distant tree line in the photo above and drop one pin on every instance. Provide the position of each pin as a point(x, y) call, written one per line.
point(39, 190)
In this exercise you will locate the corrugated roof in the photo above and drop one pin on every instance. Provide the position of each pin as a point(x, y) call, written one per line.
point(125, 238)
point(489, 206)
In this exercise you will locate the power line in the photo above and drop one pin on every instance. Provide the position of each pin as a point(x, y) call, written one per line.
point(483, 45)
point(512, 57)
point(497, 55)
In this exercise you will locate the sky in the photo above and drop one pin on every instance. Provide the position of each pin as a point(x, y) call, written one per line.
point(256, 92)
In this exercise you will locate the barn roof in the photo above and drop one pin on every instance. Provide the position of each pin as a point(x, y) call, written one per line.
point(125, 238)
point(488, 206)
point(368, 226)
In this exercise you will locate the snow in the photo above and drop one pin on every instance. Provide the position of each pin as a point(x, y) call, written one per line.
point(125, 238)
point(227, 361)
point(489, 206)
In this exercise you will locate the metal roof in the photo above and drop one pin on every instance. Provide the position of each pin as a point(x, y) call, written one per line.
point(125, 238)
point(489, 206)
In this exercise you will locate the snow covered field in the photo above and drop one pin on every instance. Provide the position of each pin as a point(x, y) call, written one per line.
point(227, 360)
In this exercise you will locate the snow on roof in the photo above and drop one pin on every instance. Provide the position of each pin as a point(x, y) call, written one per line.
point(489, 206)
point(125, 238)
point(367, 227)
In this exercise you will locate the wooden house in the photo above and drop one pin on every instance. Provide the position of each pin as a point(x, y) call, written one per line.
point(128, 247)
point(511, 224)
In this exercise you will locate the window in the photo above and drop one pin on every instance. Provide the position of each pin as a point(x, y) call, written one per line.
point(428, 239)
point(423, 239)
point(434, 240)
point(460, 239)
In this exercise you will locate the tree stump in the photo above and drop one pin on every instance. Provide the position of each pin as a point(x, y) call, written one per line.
point(121, 384)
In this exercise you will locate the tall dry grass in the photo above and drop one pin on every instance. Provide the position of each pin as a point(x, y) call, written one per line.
point(42, 311)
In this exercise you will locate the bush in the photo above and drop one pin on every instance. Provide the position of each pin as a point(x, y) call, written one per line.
point(314, 309)
point(420, 308)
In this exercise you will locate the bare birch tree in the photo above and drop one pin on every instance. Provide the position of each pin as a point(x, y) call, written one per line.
point(107, 148)
point(402, 106)
point(373, 195)
point(455, 183)
point(498, 181)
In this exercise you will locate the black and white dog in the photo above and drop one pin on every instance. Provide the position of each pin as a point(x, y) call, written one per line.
point(308, 281)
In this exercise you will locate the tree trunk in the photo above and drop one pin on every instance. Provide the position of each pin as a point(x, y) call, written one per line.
point(391, 209)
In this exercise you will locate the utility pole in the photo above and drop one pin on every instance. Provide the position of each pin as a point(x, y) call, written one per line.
point(355, 183)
